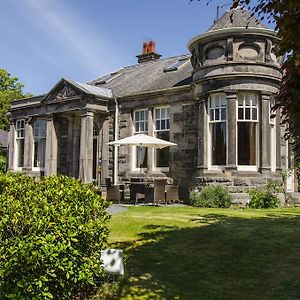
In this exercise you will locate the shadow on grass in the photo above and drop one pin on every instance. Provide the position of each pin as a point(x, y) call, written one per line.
point(222, 258)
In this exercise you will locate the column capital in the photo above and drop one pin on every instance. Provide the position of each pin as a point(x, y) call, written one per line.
point(49, 117)
point(87, 112)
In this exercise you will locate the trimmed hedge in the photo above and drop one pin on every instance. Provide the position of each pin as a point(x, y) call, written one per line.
point(52, 233)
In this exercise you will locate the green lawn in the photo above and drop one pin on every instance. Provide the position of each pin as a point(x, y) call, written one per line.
point(191, 253)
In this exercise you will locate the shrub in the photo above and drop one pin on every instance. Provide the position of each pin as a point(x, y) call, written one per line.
point(211, 196)
point(266, 198)
point(2, 163)
point(51, 235)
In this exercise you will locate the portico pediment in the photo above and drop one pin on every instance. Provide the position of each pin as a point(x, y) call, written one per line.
point(62, 91)
point(69, 90)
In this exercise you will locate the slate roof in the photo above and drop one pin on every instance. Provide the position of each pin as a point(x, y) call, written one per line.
point(148, 76)
point(92, 90)
point(236, 17)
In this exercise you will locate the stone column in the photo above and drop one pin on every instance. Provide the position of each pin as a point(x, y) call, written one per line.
point(51, 148)
point(231, 161)
point(202, 135)
point(28, 146)
point(70, 145)
point(11, 147)
point(76, 147)
point(279, 140)
point(86, 147)
point(265, 147)
point(104, 155)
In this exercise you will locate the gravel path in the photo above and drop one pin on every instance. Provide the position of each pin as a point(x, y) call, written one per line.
point(116, 209)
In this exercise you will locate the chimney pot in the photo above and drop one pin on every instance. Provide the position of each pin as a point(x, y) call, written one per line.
point(149, 52)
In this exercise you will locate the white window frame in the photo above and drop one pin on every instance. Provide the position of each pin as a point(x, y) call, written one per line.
point(272, 122)
point(134, 148)
point(220, 120)
point(154, 167)
point(247, 167)
point(39, 137)
point(19, 137)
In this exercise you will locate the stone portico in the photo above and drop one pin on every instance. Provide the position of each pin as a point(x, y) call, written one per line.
point(72, 112)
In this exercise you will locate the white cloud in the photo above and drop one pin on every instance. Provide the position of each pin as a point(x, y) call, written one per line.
point(88, 47)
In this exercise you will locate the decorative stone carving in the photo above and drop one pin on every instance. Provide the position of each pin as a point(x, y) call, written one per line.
point(66, 92)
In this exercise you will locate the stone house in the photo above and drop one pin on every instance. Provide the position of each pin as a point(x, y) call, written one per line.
point(214, 103)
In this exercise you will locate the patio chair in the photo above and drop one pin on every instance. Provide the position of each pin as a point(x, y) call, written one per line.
point(160, 190)
point(172, 194)
point(113, 192)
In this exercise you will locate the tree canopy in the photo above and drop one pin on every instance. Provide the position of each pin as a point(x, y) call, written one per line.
point(10, 89)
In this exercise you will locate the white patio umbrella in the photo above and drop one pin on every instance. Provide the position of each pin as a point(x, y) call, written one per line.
point(143, 140)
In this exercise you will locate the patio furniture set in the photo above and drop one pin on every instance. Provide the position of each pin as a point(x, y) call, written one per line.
point(156, 192)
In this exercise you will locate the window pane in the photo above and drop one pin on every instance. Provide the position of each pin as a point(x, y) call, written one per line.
point(246, 143)
point(240, 100)
point(163, 155)
point(20, 158)
point(157, 125)
point(168, 124)
point(254, 114)
point(247, 113)
point(218, 143)
point(141, 157)
point(254, 100)
point(217, 114)
point(168, 112)
point(247, 100)
point(163, 113)
point(211, 114)
point(241, 114)
point(223, 113)
point(217, 102)
point(136, 116)
point(163, 124)
point(157, 113)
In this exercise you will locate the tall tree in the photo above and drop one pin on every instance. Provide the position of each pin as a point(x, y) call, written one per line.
point(10, 89)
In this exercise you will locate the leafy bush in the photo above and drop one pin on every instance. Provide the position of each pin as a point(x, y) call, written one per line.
point(266, 198)
point(51, 235)
point(211, 196)
point(2, 163)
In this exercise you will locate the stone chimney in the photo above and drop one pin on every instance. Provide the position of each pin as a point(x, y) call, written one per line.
point(149, 53)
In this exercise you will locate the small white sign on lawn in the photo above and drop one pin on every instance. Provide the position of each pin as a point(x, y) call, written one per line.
point(113, 261)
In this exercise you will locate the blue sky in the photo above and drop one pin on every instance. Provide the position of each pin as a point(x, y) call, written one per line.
point(45, 40)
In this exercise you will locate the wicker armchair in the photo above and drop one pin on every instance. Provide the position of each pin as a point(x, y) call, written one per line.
point(113, 192)
point(172, 194)
point(160, 190)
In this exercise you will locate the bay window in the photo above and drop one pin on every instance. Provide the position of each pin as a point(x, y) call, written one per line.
point(162, 131)
point(247, 120)
point(20, 135)
point(39, 135)
point(217, 129)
